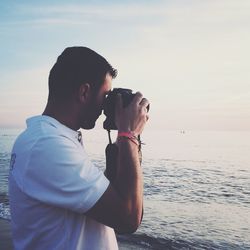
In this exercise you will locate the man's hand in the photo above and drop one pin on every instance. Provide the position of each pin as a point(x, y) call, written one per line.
point(134, 117)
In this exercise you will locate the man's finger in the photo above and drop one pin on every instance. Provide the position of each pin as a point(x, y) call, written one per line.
point(137, 98)
point(144, 103)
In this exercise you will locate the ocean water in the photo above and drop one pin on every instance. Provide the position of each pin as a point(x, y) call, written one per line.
point(196, 187)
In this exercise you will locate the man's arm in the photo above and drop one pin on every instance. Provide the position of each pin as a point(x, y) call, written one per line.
point(120, 207)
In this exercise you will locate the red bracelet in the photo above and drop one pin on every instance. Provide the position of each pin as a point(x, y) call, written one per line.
point(126, 134)
point(134, 140)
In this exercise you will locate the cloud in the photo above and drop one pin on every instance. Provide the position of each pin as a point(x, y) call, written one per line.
point(75, 14)
point(176, 13)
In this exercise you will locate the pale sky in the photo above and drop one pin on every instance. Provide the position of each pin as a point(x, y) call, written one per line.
point(191, 59)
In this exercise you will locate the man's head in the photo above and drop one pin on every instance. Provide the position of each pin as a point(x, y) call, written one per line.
point(75, 66)
point(82, 76)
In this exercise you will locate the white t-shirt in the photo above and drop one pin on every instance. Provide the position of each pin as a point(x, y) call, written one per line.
point(52, 183)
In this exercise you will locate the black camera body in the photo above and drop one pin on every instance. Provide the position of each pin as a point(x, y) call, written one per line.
point(110, 103)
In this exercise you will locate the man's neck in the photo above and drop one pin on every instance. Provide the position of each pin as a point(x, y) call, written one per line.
point(62, 113)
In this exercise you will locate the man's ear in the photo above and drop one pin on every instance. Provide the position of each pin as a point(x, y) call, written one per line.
point(84, 92)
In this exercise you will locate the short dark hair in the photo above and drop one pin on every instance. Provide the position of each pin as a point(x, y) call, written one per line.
point(75, 66)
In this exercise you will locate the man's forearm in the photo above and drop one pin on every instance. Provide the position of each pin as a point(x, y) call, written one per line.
point(129, 179)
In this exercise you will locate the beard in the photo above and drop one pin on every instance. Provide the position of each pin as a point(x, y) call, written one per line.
point(90, 120)
point(91, 114)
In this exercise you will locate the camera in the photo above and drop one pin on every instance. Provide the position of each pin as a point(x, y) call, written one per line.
point(109, 106)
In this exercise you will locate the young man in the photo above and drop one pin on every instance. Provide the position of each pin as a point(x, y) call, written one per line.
point(58, 198)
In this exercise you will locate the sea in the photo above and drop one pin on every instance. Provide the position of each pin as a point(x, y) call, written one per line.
point(196, 187)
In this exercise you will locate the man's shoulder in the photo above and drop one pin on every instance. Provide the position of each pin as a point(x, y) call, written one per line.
point(44, 127)
point(54, 142)
point(44, 139)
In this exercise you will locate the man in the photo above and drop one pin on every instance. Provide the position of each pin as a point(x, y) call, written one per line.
point(58, 198)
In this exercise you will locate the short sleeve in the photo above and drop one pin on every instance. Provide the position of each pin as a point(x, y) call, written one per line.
point(60, 174)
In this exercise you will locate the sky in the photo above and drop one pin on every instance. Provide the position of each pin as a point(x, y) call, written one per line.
point(190, 58)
